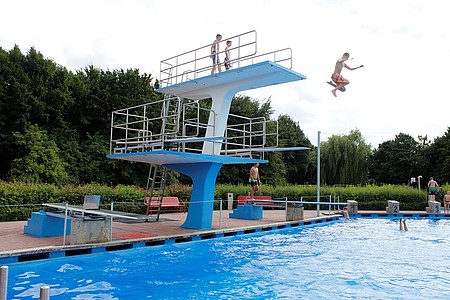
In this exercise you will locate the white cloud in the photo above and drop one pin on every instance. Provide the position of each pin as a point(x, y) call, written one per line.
point(403, 45)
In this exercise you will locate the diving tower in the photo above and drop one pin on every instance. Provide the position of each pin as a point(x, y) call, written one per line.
point(178, 139)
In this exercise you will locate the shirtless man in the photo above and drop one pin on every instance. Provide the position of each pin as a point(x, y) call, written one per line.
point(254, 180)
point(215, 54)
point(226, 61)
point(432, 188)
point(336, 77)
point(447, 202)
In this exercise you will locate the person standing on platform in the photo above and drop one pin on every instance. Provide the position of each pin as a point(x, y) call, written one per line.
point(215, 54)
point(254, 180)
point(227, 60)
point(432, 189)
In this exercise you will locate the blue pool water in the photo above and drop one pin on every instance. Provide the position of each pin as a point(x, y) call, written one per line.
point(352, 259)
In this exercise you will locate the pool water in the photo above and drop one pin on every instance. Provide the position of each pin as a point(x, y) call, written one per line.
point(349, 259)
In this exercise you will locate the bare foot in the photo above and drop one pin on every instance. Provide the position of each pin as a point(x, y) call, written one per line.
point(334, 93)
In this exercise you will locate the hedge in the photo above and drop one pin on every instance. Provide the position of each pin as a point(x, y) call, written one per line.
point(18, 200)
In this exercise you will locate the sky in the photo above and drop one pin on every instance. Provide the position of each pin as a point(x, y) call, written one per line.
point(403, 45)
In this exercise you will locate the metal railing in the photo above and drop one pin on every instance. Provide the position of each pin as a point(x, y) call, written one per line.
point(249, 134)
point(197, 63)
point(140, 129)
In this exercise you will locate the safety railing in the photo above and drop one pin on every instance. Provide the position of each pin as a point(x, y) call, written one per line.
point(197, 63)
point(141, 128)
point(245, 135)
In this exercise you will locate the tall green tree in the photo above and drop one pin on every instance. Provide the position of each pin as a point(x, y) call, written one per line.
point(434, 160)
point(344, 159)
point(40, 161)
point(297, 162)
point(247, 107)
point(33, 90)
point(395, 161)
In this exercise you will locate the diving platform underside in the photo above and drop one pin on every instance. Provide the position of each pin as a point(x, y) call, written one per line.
point(250, 77)
point(164, 157)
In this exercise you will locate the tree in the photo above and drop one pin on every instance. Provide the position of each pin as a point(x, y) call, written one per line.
point(33, 90)
point(344, 159)
point(250, 108)
point(395, 161)
point(297, 162)
point(435, 159)
point(40, 162)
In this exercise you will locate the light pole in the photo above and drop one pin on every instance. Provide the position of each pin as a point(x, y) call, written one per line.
point(418, 179)
point(318, 173)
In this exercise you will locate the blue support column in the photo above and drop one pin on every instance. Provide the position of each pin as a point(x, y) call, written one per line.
point(201, 205)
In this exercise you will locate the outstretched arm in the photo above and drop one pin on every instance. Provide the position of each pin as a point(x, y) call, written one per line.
point(351, 69)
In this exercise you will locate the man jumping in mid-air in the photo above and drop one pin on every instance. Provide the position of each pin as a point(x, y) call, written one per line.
point(341, 82)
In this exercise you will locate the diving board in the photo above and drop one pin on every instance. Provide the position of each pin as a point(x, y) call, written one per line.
point(274, 149)
point(166, 158)
point(250, 77)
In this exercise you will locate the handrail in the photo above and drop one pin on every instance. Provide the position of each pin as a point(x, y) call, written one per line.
point(140, 128)
point(198, 60)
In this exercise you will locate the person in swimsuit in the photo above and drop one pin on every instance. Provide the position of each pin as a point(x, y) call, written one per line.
point(447, 202)
point(254, 180)
point(337, 77)
point(432, 188)
point(226, 61)
point(215, 54)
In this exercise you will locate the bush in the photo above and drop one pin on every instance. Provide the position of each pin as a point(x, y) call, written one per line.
point(18, 200)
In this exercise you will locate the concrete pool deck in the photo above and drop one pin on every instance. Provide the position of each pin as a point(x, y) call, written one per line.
point(14, 242)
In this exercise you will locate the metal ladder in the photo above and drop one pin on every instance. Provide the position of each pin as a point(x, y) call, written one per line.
point(170, 115)
point(156, 184)
point(157, 175)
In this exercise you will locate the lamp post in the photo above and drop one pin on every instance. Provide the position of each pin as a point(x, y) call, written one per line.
point(418, 179)
point(318, 173)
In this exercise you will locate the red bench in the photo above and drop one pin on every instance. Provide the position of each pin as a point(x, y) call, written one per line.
point(267, 200)
point(168, 203)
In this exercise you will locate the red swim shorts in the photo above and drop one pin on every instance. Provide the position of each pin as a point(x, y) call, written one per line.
point(338, 79)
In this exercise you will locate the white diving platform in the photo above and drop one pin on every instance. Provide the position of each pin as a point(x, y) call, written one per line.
point(164, 157)
point(235, 80)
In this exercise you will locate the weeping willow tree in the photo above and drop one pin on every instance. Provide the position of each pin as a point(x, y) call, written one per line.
point(344, 159)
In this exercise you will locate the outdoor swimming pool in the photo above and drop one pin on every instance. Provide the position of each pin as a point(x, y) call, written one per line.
point(351, 259)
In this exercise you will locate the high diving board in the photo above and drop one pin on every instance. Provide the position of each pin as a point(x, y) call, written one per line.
point(164, 157)
point(274, 149)
point(218, 139)
point(250, 77)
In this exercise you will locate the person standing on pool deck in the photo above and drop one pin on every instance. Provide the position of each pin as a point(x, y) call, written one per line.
point(432, 188)
point(336, 76)
point(254, 180)
point(215, 54)
point(447, 202)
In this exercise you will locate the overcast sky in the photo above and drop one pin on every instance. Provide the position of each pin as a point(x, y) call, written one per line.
point(403, 44)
